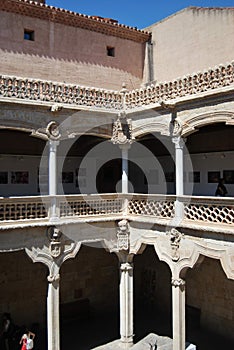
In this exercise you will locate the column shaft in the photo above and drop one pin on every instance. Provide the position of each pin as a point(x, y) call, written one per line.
point(53, 331)
point(124, 169)
point(126, 303)
point(178, 314)
point(53, 176)
point(179, 163)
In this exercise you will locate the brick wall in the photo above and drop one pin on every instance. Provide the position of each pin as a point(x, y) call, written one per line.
point(65, 53)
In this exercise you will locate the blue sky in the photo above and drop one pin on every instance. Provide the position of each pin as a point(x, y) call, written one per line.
point(135, 13)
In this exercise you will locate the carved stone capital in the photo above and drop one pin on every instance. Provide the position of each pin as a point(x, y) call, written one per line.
point(53, 278)
point(179, 142)
point(177, 282)
point(126, 267)
point(52, 131)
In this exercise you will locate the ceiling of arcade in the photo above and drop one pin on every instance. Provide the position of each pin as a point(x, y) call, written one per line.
point(212, 138)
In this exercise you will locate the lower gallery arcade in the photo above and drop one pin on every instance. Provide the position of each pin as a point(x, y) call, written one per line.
point(90, 290)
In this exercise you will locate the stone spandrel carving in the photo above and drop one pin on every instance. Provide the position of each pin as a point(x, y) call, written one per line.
point(122, 131)
point(56, 246)
point(123, 235)
point(175, 238)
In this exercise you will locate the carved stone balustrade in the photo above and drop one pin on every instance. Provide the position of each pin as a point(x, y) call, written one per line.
point(200, 212)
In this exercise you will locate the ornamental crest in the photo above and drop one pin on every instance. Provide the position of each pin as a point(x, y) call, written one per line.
point(56, 246)
point(123, 235)
point(55, 249)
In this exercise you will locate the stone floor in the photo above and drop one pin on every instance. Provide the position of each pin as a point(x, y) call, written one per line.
point(98, 330)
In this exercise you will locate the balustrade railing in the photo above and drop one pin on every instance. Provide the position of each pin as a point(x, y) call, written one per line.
point(156, 206)
point(198, 210)
point(90, 205)
point(24, 208)
point(215, 210)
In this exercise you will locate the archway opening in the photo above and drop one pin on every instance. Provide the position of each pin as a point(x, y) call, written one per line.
point(211, 151)
point(89, 307)
point(152, 299)
point(209, 306)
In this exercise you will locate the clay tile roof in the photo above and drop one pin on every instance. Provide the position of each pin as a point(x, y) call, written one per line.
point(99, 24)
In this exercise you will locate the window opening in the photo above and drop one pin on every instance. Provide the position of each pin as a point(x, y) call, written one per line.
point(28, 34)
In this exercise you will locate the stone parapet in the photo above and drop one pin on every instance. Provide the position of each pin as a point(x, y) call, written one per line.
point(216, 80)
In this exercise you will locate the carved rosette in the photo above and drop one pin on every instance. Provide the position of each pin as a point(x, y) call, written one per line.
point(175, 238)
point(123, 235)
point(122, 131)
point(53, 131)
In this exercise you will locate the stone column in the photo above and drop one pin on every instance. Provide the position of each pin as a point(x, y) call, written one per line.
point(53, 331)
point(124, 148)
point(179, 167)
point(53, 135)
point(126, 303)
point(179, 164)
point(53, 167)
point(178, 313)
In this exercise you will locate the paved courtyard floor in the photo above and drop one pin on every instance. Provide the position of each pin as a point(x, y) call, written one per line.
point(101, 329)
